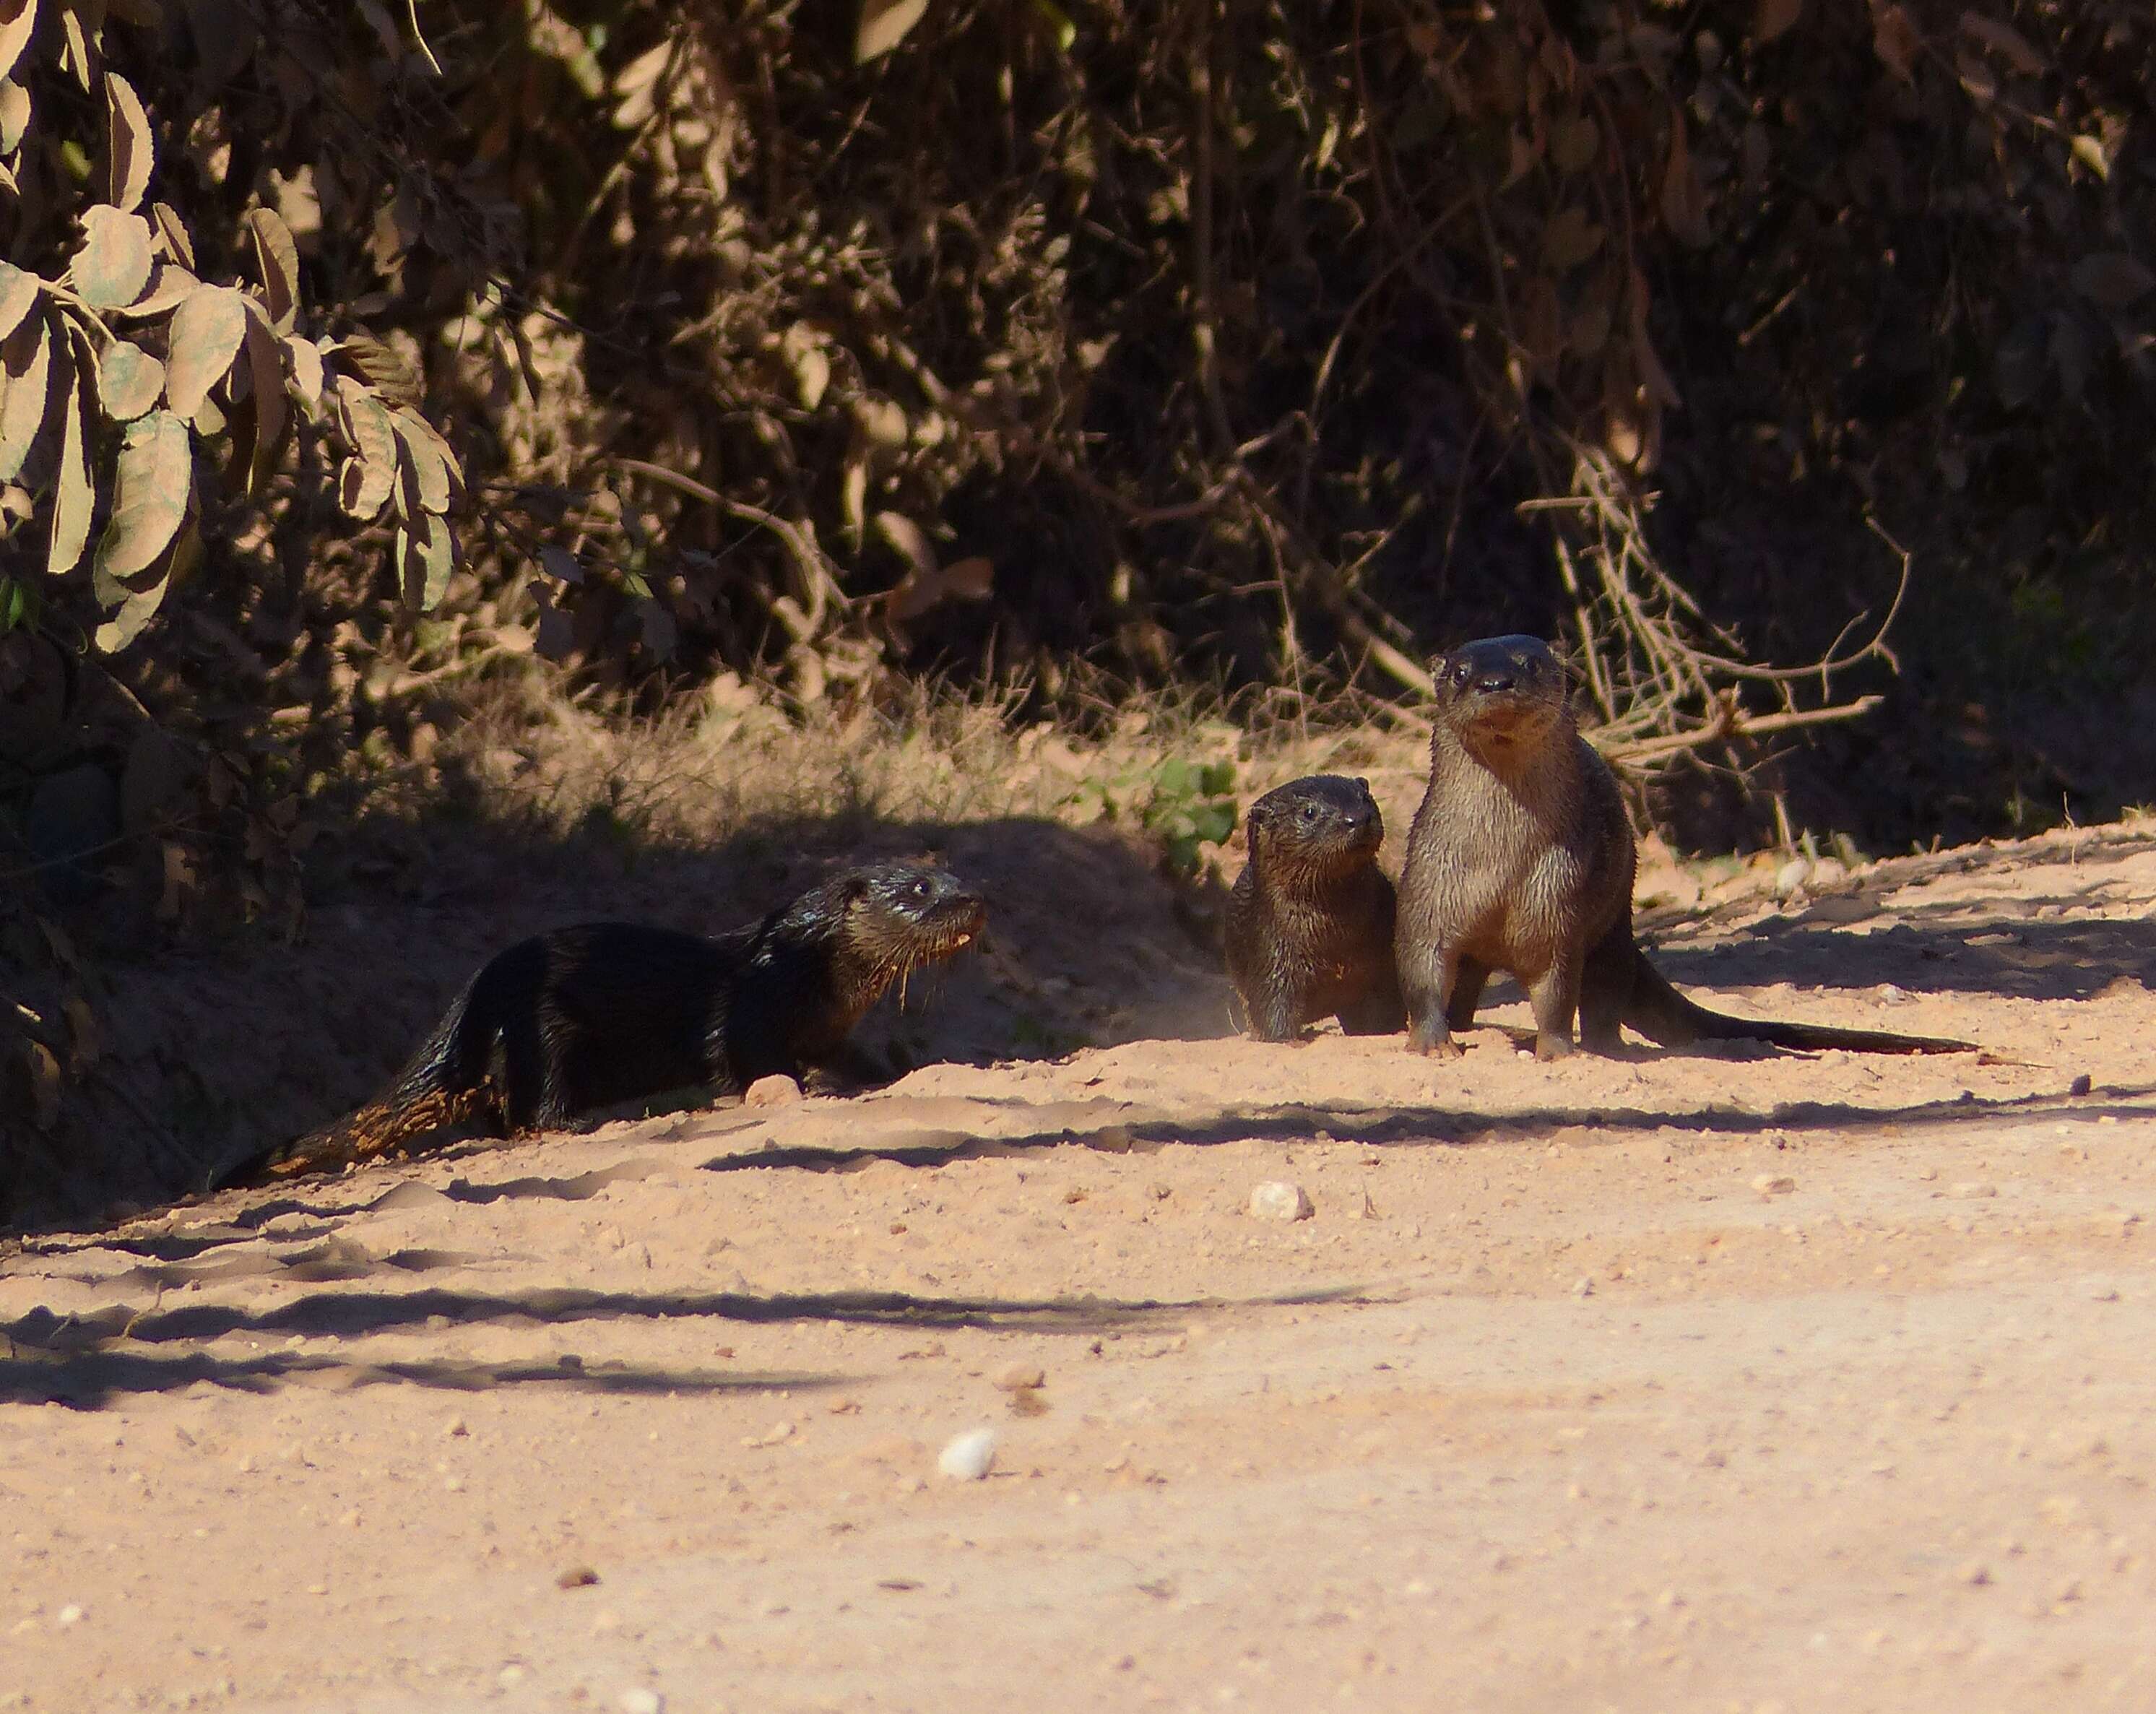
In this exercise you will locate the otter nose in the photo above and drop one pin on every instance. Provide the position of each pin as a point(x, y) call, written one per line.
point(1497, 678)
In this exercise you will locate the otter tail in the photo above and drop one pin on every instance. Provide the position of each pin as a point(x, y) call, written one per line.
point(1667, 1018)
point(444, 1083)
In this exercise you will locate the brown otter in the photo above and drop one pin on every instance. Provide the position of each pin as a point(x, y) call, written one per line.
point(1521, 858)
point(1310, 921)
point(578, 1018)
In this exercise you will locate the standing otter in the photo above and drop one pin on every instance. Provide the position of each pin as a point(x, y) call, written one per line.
point(1521, 858)
point(1310, 921)
point(578, 1018)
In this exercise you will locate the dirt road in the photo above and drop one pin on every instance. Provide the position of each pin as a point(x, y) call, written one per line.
point(1675, 1382)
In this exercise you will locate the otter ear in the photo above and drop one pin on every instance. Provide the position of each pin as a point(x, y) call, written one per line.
point(1363, 783)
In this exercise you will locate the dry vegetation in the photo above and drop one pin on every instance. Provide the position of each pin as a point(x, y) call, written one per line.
point(390, 390)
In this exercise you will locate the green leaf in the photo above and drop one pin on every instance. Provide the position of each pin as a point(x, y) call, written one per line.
point(364, 484)
point(277, 260)
point(427, 554)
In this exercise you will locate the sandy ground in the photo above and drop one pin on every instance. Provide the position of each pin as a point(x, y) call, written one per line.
point(1676, 1381)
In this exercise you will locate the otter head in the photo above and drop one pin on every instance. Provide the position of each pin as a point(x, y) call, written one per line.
point(888, 919)
point(1502, 696)
point(1320, 826)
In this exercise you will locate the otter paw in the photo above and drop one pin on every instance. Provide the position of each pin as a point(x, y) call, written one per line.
point(1553, 1047)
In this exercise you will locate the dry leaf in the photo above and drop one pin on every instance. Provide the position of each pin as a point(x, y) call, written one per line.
point(75, 495)
point(207, 330)
point(129, 381)
point(277, 260)
point(1895, 40)
point(2111, 279)
point(129, 150)
point(154, 478)
point(884, 24)
point(1774, 16)
point(26, 357)
point(1683, 198)
point(113, 265)
point(18, 291)
point(18, 18)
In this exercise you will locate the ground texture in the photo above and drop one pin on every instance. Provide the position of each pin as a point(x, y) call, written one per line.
point(1676, 1381)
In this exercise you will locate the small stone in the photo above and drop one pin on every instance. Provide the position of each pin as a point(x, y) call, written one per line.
point(69, 1614)
point(1279, 1200)
point(2080, 1086)
point(510, 1676)
point(1975, 1574)
point(1773, 1184)
point(1791, 876)
point(1973, 1190)
point(576, 1577)
point(1583, 1287)
point(641, 1700)
point(969, 1456)
point(1018, 1376)
point(776, 1091)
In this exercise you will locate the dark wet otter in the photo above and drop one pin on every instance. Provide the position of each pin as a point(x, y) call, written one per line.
point(1310, 921)
point(1521, 859)
point(578, 1018)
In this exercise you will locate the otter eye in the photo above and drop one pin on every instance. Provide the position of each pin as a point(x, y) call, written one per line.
point(920, 890)
point(1462, 673)
point(1310, 812)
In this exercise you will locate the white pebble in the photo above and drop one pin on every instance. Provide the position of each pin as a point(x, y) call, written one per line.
point(1280, 1200)
point(70, 1615)
point(969, 1457)
point(641, 1700)
point(1790, 876)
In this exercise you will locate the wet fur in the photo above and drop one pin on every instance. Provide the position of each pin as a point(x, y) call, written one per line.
point(580, 1017)
point(1521, 858)
point(1310, 920)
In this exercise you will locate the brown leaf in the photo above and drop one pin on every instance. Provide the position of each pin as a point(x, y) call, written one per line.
point(44, 1073)
point(883, 27)
point(113, 265)
point(1570, 239)
point(1774, 16)
point(906, 538)
point(277, 260)
point(365, 485)
point(129, 152)
point(207, 330)
point(170, 286)
point(1576, 144)
point(429, 457)
point(75, 495)
point(2005, 41)
point(14, 115)
point(1684, 198)
point(26, 357)
point(129, 381)
point(177, 243)
point(79, 46)
point(2111, 279)
point(306, 361)
point(18, 18)
point(140, 603)
point(1896, 41)
point(154, 479)
point(18, 292)
point(265, 364)
point(426, 552)
point(1652, 375)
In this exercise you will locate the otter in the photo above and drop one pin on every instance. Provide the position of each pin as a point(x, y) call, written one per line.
point(1309, 921)
point(1521, 858)
point(579, 1017)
